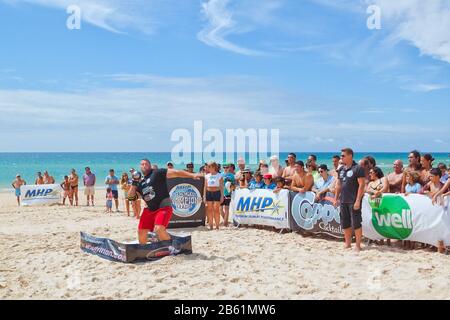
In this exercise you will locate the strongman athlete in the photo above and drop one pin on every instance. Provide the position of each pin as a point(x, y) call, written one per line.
point(152, 186)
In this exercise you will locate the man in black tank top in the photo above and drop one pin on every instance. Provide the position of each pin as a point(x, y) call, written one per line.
point(152, 186)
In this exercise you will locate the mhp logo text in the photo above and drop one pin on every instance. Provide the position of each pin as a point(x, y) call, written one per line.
point(38, 193)
point(246, 204)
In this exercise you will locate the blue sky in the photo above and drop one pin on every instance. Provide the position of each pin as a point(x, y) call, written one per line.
point(137, 70)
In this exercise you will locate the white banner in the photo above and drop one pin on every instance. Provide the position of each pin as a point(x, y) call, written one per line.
point(40, 194)
point(412, 217)
point(261, 207)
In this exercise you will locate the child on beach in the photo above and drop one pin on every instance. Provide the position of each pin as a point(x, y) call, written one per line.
point(280, 184)
point(109, 199)
point(65, 185)
point(435, 185)
point(413, 185)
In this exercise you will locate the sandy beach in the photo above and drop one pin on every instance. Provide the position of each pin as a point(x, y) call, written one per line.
point(41, 259)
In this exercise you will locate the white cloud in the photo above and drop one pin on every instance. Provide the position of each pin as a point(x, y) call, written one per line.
point(228, 17)
point(112, 15)
point(423, 24)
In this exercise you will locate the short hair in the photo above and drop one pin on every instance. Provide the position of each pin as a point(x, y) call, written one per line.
point(232, 166)
point(87, 168)
point(65, 177)
point(313, 156)
point(146, 160)
point(415, 153)
point(292, 154)
point(323, 167)
point(436, 172)
point(300, 163)
point(336, 157)
point(280, 179)
point(111, 170)
point(348, 151)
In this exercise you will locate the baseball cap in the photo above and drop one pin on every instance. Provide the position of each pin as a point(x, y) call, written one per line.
point(267, 176)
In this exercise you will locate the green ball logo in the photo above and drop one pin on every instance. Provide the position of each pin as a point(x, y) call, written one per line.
point(391, 217)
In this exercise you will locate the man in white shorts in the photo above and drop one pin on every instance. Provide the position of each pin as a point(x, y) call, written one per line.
point(89, 186)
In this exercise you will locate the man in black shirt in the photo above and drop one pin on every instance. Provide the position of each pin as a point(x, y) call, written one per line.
point(153, 189)
point(350, 191)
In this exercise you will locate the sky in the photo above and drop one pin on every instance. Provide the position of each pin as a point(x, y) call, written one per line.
point(137, 70)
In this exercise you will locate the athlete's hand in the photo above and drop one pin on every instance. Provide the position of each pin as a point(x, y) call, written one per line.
point(198, 176)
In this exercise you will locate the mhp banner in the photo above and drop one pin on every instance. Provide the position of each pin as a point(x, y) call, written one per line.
point(261, 207)
point(40, 194)
point(187, 202)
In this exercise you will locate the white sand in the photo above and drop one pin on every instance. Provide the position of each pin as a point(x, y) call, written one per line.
point(41, 259)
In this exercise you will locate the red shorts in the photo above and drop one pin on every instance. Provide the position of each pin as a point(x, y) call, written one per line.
point(160, 217)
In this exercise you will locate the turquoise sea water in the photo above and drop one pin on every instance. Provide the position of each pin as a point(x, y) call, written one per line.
point(59, 164)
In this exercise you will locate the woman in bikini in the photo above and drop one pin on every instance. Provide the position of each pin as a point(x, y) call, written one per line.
point(73, 181)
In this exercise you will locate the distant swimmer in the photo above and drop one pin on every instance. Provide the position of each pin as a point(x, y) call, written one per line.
point(16, 184)
point(152, 186)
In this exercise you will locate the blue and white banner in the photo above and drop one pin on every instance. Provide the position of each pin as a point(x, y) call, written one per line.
point(40, 194)
point(411, 217)
point(261, 207)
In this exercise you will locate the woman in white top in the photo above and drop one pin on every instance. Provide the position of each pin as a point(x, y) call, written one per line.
point(213, 194)
point(275, 169)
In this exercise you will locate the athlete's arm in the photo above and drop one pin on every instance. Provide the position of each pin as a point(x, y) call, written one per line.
point(173, 173)
point(362, 184)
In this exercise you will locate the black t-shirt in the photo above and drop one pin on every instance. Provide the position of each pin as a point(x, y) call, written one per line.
point(153, 189)
point(349, 182)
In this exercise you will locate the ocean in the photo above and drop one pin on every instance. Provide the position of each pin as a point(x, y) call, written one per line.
point(60, 164)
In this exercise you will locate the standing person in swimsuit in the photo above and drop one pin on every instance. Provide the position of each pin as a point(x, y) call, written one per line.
point(213, 194)
point(65, 185)
point(427, 164)
point(378, 183)
point(39, 179)
point(395, 178)
point(73, 194)
point(153, 189)
point(16, 185)
point(48, 179)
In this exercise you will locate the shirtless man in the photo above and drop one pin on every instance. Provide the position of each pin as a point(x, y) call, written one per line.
point(302, 181)
point(73, 192)
point(48, 179)
point(39, 179)
point(289, 171)
point(395, 178)
point(152, 186)
point(414, 165)
point(16, 185)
